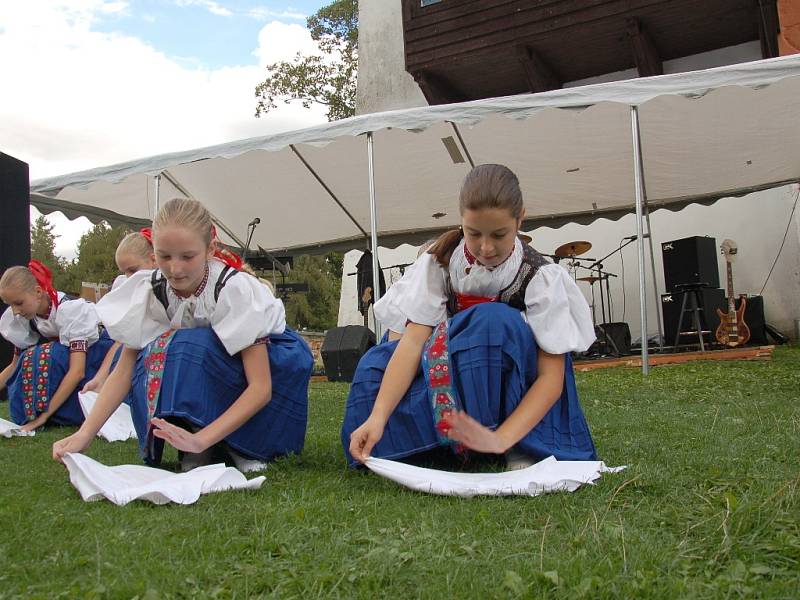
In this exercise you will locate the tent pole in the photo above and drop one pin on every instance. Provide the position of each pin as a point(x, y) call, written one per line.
point(638, 178)
point(655, 284)
point(156, 200)
point(373, 225)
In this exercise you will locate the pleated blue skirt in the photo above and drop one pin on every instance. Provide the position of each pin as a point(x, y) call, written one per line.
point(201, 381)
point(493, 358)
point(39, 372)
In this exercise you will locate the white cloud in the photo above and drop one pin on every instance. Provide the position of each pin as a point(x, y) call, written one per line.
point(209, 5)
point(282, 41)
point(76, 99)
point(262, 13)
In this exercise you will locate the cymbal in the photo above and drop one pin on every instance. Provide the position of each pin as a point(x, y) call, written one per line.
point(526, 239)
point(591, 279)
point(572, 249)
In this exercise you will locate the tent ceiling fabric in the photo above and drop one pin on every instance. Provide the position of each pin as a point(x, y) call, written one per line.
point(705, 135)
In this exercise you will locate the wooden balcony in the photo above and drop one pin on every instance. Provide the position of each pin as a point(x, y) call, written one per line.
point(469, 49)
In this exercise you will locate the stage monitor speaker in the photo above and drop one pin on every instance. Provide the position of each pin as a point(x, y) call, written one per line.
point(15, 226)
point(710, 300)
point(619, 335)
point(342, 349)
point(690, 260)
point(754, 319)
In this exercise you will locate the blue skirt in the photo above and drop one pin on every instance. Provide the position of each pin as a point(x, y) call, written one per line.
point(493, 357)
point(201, 381)
point(40, 370)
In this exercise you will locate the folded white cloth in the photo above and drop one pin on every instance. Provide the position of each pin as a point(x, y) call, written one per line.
point(119, 426)
point(125, 483)
point(9, 429)
point(548, 475)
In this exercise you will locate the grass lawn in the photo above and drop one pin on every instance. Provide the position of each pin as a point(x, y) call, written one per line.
point(709, 507)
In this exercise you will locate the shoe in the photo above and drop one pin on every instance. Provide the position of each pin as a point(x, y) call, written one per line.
point(516, 460)
point(245, 464)
point(191, 460)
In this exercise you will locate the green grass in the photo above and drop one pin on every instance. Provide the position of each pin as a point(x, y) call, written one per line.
point(708, 508)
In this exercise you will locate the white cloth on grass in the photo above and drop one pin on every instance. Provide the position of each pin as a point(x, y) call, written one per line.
point(9, 429)
point(124, 483)
point(548, 475)
point(119, 426)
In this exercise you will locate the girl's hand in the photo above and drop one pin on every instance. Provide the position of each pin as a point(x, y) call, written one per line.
point(77, 442)
point(93, 385)
point(364, 438)
point(178, 437)
point(471, 434)
point(35, 424)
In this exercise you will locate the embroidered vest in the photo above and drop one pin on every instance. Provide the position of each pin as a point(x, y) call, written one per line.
point(514, 293)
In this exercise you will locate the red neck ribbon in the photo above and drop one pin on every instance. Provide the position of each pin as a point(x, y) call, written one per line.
point(227, 256)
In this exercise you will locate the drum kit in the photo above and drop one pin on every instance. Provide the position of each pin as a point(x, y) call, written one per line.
point(574, 252)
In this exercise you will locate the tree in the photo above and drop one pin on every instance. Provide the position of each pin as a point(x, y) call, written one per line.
point(43, 249)
point(318, 308)
point(96, 250)
point(328, 78)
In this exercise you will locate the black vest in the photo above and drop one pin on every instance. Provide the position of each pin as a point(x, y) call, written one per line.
point(159, 283)
point(514, 293)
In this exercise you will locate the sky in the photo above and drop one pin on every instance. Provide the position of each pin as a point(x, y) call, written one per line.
point(87, 83)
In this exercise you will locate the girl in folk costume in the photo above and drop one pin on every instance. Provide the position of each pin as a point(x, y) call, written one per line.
point(483, 363)
point(58, 345)
point(134, 253)
point(208, 359)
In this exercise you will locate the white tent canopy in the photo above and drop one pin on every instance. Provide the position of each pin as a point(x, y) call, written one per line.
point(580, 153)
point(705, 135)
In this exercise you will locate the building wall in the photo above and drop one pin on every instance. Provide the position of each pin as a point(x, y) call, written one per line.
point(383, 83)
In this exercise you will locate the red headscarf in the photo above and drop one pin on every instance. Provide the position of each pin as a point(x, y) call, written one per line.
point(44, 278)
point(228, 257)
point(147, 234)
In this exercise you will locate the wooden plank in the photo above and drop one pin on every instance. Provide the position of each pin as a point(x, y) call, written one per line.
point(539, 75)
point(645, 55)
point(754, 353)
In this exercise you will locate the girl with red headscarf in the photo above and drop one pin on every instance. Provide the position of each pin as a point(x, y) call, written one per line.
point(58, 346)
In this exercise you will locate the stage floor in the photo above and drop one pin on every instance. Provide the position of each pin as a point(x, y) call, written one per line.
point(658, 358)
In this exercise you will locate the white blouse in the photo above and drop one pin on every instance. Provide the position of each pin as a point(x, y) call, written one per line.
point(118, 281)
point(245, 312)
point(72, 321)
point(555, 308)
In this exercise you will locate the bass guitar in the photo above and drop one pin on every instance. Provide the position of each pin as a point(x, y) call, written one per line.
point(732, 330)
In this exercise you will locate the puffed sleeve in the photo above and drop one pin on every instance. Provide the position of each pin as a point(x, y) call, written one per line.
point(77, 323)
point(419, 296)
point(246, 313)
point(557, 312)
point(120, 279)
point(132, 314)
point(17, 330)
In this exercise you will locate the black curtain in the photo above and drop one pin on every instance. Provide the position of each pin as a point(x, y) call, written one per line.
point(364, 281)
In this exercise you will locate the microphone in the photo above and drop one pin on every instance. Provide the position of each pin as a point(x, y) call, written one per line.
point(256, 221)
point(633, 237)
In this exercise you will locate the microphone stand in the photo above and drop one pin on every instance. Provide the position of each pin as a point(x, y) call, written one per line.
point(251, 229)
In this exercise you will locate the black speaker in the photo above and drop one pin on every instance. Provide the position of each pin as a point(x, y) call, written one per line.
point(619, 336)
point(710, 300)
point(15, 226)
point(342, 349)
point(754, 319)
point(690, 260)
